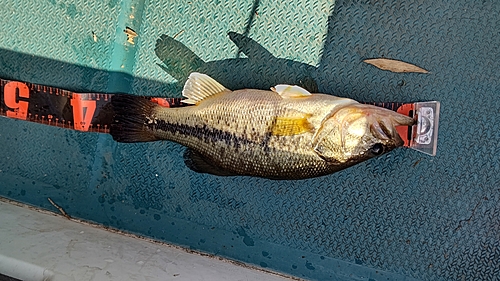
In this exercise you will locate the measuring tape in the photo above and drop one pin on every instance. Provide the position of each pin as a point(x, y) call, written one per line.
point(86, 112)
point(92, 112)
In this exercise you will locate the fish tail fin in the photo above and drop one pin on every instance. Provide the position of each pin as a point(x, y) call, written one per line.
point(131, 116)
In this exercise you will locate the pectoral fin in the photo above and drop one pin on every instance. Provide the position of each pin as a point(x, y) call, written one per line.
point(196, 162)
point(289, 126)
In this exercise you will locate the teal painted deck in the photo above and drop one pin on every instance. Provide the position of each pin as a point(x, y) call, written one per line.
point(403, 216)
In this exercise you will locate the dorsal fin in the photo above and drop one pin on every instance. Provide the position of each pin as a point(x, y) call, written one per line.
point(200, 86)
point(289, 91)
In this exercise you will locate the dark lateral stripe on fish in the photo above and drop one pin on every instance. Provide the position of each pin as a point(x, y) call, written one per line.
point(202, 132)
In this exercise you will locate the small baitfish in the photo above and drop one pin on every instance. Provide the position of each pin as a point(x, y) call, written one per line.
point(285, 133)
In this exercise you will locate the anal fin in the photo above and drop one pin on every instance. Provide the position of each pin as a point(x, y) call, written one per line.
point(196, 162)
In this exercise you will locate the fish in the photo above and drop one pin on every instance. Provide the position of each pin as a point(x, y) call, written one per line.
point(285, 133)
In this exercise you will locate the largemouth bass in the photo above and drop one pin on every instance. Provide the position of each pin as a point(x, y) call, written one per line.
point(284, 133)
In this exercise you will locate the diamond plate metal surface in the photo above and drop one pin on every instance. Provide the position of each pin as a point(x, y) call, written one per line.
point(76, 31)
point(292, 31)
point(402, 216)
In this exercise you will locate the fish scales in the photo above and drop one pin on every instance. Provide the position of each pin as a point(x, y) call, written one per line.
point(282, 134)
point(234, 131)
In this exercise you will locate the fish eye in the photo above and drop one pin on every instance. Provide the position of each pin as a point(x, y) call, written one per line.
point(377, 149)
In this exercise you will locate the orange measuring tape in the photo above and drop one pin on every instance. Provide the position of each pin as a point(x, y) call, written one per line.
point(86, 112)
point(92, 112)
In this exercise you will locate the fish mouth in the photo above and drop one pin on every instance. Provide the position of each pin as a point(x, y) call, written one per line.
point(384, 125)
point(385, 130)
point(356, 132)
point(381, 123)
